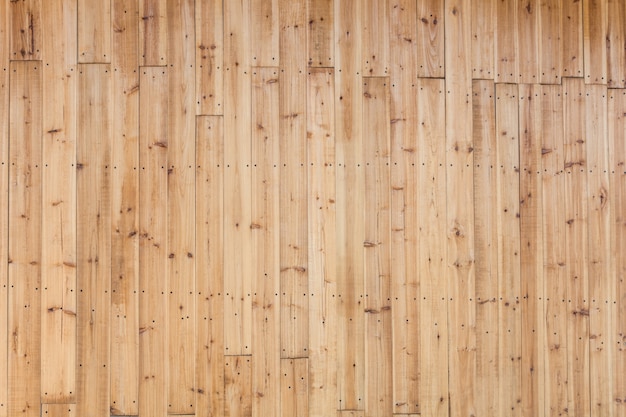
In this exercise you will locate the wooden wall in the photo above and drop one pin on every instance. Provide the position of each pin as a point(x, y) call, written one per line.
point(350, 208)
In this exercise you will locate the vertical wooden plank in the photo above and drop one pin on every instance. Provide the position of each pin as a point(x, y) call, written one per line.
point(264, 26)
point(58, 410)
point(237, 199)
point(25, 27)
point(125, 209)
point(601, 284)
point(483, 32)
point(506, 41)
point(550, 47)
point(320, 35)
point(555, 287)
point(430, 38)
point(615, 38)
point(94, 31)
point(4, 204)
point(322, 245)
point(24, 221)
point(209, 57)
point(377, 234)
point(350, 200)
point(237, 378)
point(459, 209)
point(93, 180)
point(153, 32)
point(209, 385)
point(572, 38)
point(404, 207)
point(181, 236)
point(58, 278)
point(576, 260)
point(617, 199)
point(265, 228)
point(531, 250)
point(375, 34)
point(431, 222)
point(595, 23)
point(293, 181)
point(153, 145)
point(486, 246)
point(294, 387)
point(528, 14)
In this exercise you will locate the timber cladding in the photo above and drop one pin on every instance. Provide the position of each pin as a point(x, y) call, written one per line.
point(350, 208)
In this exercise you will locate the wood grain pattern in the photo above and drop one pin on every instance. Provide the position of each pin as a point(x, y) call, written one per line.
point(4, 203)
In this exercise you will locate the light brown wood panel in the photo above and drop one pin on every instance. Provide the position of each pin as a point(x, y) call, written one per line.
point(294, 387)
point(375, 35)
point(430, 38)
point(320, 34)
point(265, 30)
point(528, 14)
point(550, 42)
point(238, 387)
point(58, 410)
point(595, 20)
point(209, 57)
point(572, 38)
point(483, 32)
point(153, 32)
point(94, 31)
point(4, 204)
point(616, 35)
point(24, 18)
point(506, 41)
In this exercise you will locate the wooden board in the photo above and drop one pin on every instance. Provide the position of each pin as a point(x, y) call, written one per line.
point(576, 249)
point(153, 146)
point(237, 379)
point(93, 166)
point(58, 410)
point(24, 249)
point(237, 200)
point(595, 21)
point(528, 45)
point(550, 56)
point(506, 42)
point(4, 203)
point(264, 26)
point(25, 26)
point(322, 377)
point(350, 200)
point(94, 31)
point(320, 33)
point(125, 209)
point(483, 33)
point(209, 57)
point(181, 235)
point(152, 32)
point(431, 222)
point(294, 276)
point(58, 211)
point(615, 36)
point(265, 228)
point(486, 246)
point(294, 387)
point(376, 243)
point(430, 38)
point(209, 386)
point(572, 38)
point(375, 34)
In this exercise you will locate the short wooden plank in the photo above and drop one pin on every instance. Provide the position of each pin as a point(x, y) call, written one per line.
point(350, 413)
point(237, 379)
point(58, 278)
point(94, 31)
point(265, 228)
point(320, 33)
point(237, 186)
point(4, 203)
point(377, 244)
point(572, 38)
point(601, 282)
point(375, 35)
point(483, 32)
point(350, 200)
point(293, 181)
point(506, 42)
point(431, 223)
point(576, 250)
point(58, 410)
point(294, 387)
point(209, 387)
point(153, 32)
point(553, 223)
point(181, 213)
point(459, 210)
point(550, 50)
point(264, 26)
point(153, 145)
point(595, 24)
point(486, 246)
point(93, 208)
point(125, 209)
point(25, 29)
point(528, 42)
point(430, 38)
point(531, 250)
point(209, 57)
point(24, 249)
point(322, 245)
point(615, 38)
